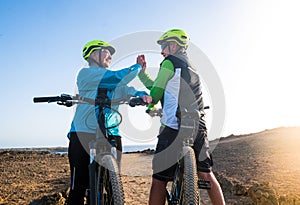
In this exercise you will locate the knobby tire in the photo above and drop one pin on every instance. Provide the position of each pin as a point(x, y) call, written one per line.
point(105, 183)
point(190, 195)
point(114, 193)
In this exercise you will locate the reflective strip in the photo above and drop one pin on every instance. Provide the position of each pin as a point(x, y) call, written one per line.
point(73, 179)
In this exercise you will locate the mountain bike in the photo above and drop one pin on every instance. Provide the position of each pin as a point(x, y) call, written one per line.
point(105, 185)
point(183, 189)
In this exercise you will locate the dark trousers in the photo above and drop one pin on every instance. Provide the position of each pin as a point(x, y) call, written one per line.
point(79, 159)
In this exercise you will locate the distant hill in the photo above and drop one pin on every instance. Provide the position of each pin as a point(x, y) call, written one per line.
point(36, 149)
point(278, 130)
point(271, 156)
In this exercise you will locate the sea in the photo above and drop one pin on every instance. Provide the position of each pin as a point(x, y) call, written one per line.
point(64, 150)
point(126, 149)
point(135, 148)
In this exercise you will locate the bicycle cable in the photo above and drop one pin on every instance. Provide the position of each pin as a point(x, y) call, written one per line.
point(102, 112)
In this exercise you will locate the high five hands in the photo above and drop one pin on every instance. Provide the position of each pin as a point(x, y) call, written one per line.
point(142, 61)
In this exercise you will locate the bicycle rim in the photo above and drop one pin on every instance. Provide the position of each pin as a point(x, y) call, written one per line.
point(190, 193)
point(112, 188)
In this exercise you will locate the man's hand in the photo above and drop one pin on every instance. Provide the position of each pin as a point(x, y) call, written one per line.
point(147, 99)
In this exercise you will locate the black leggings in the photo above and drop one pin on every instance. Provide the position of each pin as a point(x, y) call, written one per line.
point(79, 160)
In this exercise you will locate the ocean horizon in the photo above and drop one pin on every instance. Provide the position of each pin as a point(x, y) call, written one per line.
point(64, 150)
point(135, 148)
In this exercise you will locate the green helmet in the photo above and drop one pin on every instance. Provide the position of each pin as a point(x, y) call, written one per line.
point(175, 35)
point(96, 45)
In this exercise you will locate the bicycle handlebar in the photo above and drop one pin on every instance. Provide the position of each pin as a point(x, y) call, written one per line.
point(159, 112)
point(69, 100)
point(62, 97)
point(154, 113)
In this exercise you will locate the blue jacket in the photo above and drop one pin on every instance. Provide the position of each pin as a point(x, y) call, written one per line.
point(88, 82)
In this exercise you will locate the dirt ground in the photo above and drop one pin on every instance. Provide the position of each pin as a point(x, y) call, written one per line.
point(270, 158)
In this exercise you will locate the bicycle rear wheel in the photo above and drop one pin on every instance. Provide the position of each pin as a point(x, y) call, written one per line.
point(189, 193)
point(111, 188)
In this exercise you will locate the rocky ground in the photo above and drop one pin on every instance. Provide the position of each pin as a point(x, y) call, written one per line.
point(261, 168)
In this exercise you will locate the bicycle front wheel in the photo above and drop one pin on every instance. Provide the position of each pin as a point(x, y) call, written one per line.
point(190, 192)
point(112, 187)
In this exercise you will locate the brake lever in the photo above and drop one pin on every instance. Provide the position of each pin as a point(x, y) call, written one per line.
point(66, 103)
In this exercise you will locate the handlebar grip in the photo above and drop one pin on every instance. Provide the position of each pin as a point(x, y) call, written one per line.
point(136, 101)
point(46, 99)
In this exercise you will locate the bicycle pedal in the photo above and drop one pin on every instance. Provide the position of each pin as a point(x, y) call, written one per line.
point(204, 184)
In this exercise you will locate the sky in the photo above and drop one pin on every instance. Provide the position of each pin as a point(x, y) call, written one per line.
point(252, 44)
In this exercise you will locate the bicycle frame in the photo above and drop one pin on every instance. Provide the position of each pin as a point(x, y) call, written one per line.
point(173, 196)
point(105, 180)
point(101, 190)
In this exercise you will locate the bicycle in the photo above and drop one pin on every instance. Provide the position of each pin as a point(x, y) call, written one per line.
point(184, 187)
point(105, 185)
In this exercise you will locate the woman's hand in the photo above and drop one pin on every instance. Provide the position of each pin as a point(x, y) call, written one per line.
point(142, 61)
